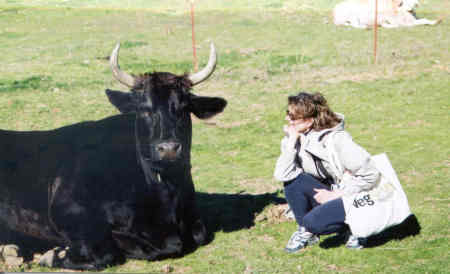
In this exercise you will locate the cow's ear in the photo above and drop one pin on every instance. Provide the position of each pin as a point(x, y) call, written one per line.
point(125, 102)
point(206, 107)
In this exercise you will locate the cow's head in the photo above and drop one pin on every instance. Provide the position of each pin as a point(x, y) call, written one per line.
point(163, 102)
point(408, 5)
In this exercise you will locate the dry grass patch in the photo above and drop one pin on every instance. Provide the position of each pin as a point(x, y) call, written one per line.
point(273, 214)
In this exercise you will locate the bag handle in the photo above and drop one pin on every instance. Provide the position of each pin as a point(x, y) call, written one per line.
point(335, 164)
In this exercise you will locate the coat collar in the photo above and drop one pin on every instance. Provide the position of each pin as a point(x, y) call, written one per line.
point(315, 140)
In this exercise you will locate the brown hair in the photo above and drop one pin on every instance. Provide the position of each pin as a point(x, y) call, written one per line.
point(307, 105)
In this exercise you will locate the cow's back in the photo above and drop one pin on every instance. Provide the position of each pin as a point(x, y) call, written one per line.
point(31, 163)
point(361, 13)
point(23, 184)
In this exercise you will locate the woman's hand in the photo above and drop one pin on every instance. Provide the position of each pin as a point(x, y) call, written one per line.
point(291, 131)
point(295, 127)
point(322, 196)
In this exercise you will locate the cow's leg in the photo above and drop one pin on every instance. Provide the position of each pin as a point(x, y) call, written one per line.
point(389, 25)
point(82, 256)
point(356, 23)
point(198, 228)
point(194, 228)
point(15, 245)
point(193, 221)
point(91, 246)
point(424, 21)
point(87, 232)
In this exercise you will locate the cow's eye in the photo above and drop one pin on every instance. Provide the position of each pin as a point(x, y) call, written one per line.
point(144, 111)
point(181, 108)
point(179, 112)
point(145, 114)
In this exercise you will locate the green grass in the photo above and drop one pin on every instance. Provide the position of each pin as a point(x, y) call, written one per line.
point(176, 6)
point(53, 72)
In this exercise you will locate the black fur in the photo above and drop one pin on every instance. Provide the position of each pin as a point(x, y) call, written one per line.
point(104, 188)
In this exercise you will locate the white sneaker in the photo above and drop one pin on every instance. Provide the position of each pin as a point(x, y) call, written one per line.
point(300, 239)
point(354, 242)
point(289, 214)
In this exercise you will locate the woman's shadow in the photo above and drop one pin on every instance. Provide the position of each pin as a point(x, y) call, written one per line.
point(409, 227)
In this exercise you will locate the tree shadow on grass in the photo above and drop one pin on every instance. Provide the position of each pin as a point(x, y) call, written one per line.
point(409, 227)
point(232, 212)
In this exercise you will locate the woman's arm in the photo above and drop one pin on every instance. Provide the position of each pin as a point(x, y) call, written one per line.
point(286, 169)
point(360, 173)
point(322, 195)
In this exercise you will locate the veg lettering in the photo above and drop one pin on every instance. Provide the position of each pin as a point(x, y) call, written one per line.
point(364, 201)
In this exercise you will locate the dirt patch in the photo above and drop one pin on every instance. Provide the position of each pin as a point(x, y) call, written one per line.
point(274, 214)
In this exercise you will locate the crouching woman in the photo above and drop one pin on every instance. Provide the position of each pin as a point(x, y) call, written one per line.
point(331, 183)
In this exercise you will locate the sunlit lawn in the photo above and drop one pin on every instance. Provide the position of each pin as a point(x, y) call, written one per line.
point(54, 72)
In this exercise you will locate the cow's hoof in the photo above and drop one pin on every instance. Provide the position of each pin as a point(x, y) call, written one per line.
point(199, 232)
point(10, 255)
point(57, 258)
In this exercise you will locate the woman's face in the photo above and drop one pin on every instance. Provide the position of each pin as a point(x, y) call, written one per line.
point(300, 124)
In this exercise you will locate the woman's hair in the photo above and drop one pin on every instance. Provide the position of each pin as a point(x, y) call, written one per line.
point(307, 105)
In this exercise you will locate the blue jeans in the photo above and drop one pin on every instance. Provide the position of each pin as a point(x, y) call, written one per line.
point(317, 218)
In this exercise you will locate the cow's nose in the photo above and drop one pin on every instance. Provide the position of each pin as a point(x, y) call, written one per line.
point(168, 150)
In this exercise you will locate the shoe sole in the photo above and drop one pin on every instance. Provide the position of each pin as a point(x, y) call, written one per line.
point(293, 250)
point(355, 247)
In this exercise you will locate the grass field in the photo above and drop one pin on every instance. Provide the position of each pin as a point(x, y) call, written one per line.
point(53, 72)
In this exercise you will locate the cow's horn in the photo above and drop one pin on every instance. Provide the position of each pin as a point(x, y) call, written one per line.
point(206, 71)
point(121, 76)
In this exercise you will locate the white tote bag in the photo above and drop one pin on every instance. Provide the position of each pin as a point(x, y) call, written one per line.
point(372, 211)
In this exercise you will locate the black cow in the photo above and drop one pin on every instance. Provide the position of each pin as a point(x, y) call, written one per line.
point(116, 188)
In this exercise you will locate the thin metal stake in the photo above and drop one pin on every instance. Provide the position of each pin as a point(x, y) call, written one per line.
point(375, 33)
point(194, 50)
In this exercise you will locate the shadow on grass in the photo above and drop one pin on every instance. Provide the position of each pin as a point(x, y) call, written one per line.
point(232, 212)
point(409, 227)
point(220, 212)
point(36, 82)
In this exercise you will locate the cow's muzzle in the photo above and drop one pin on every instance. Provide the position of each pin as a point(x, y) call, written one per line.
point(169, 151)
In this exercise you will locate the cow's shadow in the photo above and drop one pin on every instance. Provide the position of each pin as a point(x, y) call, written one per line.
point(232, 212)
point(409, 227)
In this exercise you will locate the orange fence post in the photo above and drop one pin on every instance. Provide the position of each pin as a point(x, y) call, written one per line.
point(375, 33)
point(194, 50)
